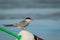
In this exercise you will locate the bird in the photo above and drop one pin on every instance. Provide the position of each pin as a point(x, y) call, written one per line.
point(26, 35)
point(24, 23)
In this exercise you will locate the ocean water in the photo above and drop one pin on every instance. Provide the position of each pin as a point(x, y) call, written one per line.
point(45, 28)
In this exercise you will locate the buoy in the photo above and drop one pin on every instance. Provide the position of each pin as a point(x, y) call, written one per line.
point(26, 35)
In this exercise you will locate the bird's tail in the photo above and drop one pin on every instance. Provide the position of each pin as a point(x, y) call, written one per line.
point(8, 25)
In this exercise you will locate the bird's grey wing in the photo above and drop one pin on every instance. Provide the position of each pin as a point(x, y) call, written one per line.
point(26, 24)
point(23, 24)
point(12, 25)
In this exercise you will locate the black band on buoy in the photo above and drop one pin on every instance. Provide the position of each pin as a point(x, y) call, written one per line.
point(37, 38)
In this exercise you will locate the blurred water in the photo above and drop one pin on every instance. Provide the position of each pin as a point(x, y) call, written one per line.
point(45, 28)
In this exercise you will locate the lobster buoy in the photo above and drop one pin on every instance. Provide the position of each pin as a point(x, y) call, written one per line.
point(26, 35)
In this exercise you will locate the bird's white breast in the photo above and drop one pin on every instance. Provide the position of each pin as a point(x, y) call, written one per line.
point(28, 20)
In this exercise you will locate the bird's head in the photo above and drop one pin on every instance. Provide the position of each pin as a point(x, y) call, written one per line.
point(28, 19)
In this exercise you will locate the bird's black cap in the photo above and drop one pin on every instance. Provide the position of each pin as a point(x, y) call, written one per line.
point(28, 18)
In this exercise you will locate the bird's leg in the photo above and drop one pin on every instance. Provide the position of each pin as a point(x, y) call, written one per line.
point(23, 28)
